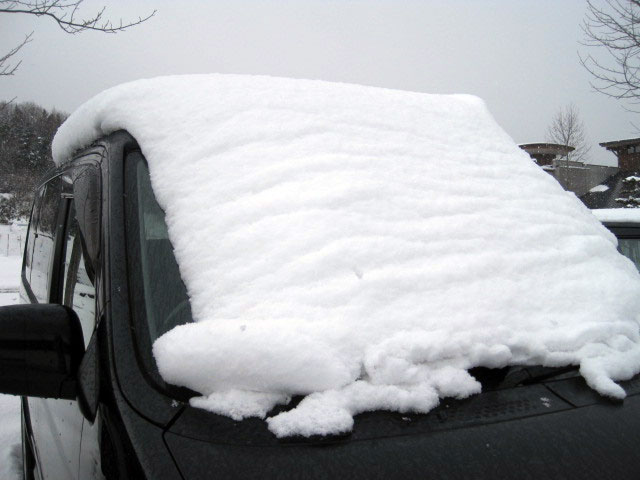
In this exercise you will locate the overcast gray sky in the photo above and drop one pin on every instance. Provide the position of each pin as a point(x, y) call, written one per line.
point(520, 56)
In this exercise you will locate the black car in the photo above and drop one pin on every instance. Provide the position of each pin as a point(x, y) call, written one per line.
point(100, 283)
point(628, 235)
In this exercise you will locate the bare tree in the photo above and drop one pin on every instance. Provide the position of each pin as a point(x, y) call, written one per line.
point(567, 129)
point(65, 14)
point(614, 28)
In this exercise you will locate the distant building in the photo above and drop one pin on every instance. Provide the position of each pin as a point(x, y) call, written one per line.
point(627, 151)
point(545, 153)
point(622, 189)
point(577, 177)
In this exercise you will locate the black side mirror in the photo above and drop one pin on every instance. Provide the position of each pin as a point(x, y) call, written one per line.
point(41, 347)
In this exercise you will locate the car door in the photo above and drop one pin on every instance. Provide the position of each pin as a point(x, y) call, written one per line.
point(59, 275)
point(52, 421)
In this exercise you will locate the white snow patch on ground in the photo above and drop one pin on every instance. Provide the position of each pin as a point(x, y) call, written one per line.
point(12, 239)
point(599, 188)
point(10, 443)
point(631, 215)
point(363, 247)
point(10, 273)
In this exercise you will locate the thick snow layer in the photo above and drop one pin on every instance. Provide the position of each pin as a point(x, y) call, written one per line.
point(619, 215)
point(599, 189)
point(362, 247)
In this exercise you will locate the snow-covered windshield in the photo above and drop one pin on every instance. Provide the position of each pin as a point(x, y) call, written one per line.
point(362, 247)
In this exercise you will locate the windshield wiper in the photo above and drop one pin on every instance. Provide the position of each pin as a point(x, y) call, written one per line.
point(540, 374)
point(508, 377)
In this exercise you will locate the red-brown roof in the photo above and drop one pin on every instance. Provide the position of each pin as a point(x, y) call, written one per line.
point(620, 143)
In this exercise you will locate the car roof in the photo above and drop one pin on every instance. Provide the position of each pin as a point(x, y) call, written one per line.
point(622, 216)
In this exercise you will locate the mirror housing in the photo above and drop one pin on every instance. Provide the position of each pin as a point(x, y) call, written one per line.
point(41, 346)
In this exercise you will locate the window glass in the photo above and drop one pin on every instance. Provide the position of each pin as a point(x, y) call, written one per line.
point(166, 303)
point(32, 233)
point(630, 248)
point(78, 291)
point(43, 242)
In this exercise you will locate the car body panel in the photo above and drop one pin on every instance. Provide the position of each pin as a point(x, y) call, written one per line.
point(561, 444)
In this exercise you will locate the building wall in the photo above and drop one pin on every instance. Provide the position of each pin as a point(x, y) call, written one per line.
point(629, 161)
point(598, 174)
point(580, 178)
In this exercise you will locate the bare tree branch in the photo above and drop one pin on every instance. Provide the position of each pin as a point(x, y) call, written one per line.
point(614, 29)
point(8, 68)
point(4, 105)
point(65, 14)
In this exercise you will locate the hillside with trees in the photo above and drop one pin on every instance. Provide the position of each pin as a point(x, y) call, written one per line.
point(26, 132)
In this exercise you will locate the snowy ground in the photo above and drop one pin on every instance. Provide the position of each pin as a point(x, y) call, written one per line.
point(10, 452)
point(12, 238)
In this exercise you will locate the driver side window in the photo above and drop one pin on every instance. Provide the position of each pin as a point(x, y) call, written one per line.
point(78, 290)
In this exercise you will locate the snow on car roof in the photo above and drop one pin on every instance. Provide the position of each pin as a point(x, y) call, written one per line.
point(617, 215)
point(363, 247)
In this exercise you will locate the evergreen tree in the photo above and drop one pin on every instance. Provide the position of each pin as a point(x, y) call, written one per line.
point(26, 132)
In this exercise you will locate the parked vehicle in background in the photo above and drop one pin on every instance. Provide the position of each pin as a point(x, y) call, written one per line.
point(624, 223)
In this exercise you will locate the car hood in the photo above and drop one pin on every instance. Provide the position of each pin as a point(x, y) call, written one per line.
point(559, 429)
